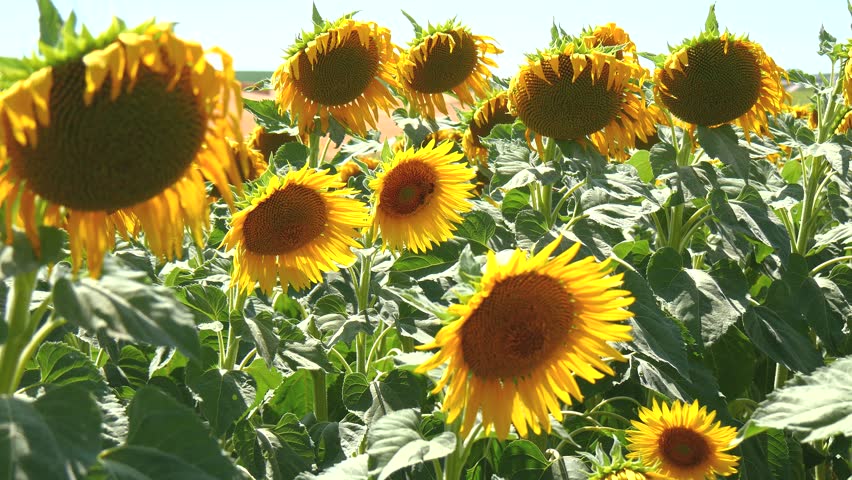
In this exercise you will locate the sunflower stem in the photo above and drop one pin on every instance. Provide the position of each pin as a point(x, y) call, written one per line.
point(829, 263)
point(233, 345)
point(32, 346)
point(314, 150)
point(780, 376)
point(320, 395)
point(20, 328)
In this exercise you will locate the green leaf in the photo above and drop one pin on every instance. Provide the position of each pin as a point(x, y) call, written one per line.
point(394, 442)
point(398, 390)
point(300, 351)
point(514, 201)
point(57, 436)
point(49, 23)
point(826, 41)
point(778, 340)
point(417, 28)
point(707, 302)
point(813, 407)
point(530, 227)
point(266, 341)
point(207, 299)
point(733, 359)
point(784, 456)
point(478, 226)
point(188, 438)
point(130, 462)
point(641, 161)
point(538, 174)
point(19, 257)
point(225, 396)
point(443, 255)
point(128, 310)
point(711, 25)
point(61, 364)
point(293, 154)
point(355, 468)
point(266, 114)
point(315, 16)
point(356, 392)
point(294, 395)
point(522, 460)
point(722, 143)
point(290, 448)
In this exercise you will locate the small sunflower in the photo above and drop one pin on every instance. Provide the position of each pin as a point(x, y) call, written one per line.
point(342, 69)
point(611, 35)
point(350, 168)
point(718, 78)
point(419, 197)
point(532, 327)
point(268, 143)
point(683, 442)
point(445, 58)
point(297, 228)
point(573, 91)
point(255, 164)
point(492, 112)
point(115, 134)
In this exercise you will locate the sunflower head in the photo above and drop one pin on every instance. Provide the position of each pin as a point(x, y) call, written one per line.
point(718, 78)
point(445, 58)
point(341, 69)
point(253, 164)
point(419, 196)
point(682, 441)
point(573, 91)
point(352, 168)
point(533, 326)
point(611, 35)
point(296, 228)
point(490, 112)
point(266, 142)
point(113, 134)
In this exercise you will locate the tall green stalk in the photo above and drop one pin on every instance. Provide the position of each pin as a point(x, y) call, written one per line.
point(21, 327)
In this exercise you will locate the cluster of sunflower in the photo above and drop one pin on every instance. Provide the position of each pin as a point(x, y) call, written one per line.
point(117, 135)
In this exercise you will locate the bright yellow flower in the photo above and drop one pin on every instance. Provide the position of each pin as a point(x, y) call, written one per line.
point(575, 92)
point(268, 143)
point(419, 196)
point(492, 112)
point(341, 72)
point(611, 35)
point(532, 327)
point(683, 442)
point(717, 79)
point(446, 58)
point(297, 228)
point(117, 136)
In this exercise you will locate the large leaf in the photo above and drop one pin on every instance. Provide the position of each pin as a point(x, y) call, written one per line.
point(129, 310)
point(722, 143)
point(56, 436)
point(813, 407)
point(780, 341)
point(160, 422)
point(225, 396)
point(395, 442)
point(522, 460)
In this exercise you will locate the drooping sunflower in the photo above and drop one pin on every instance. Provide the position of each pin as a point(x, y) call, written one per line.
point(342, 69)
point(445, 58)
point(611, 35)
point(573, 91)
point(297, 228)
point(683, 442)
point(350, 168)
point(254, 164)
point(419, 196)
point(115, 134)
point(718, 78)
point(492, 112)
point(267, 143)
point(532, 327)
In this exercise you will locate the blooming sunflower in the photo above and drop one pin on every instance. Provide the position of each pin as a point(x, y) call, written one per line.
point(683, 441)
point(572, 91)
point(115, 134)
point(718, 78)
point(533, 325)
point(492, 112)
point(419, 196)
point(445, 58)
point(296, 228)
point(611, 35)
point(342, 70)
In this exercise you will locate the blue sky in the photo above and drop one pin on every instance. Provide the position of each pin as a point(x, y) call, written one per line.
point(256, 32)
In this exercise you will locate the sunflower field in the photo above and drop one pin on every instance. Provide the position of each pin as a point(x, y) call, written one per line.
point(589, 270)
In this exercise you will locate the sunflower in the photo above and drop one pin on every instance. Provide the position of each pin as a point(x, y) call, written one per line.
point(611, 35)
point(113, 134)
point(627, 473)
point(350, 168)
point(442, 135)
point(533, 325)
point(419, 196)
point(445, 58)
point(255, 164)
point(492, 112)
point(683, 441)
point(267, 143)
point(297, 228)
point(342, 70)
point(573, 91)
point(715, 79)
